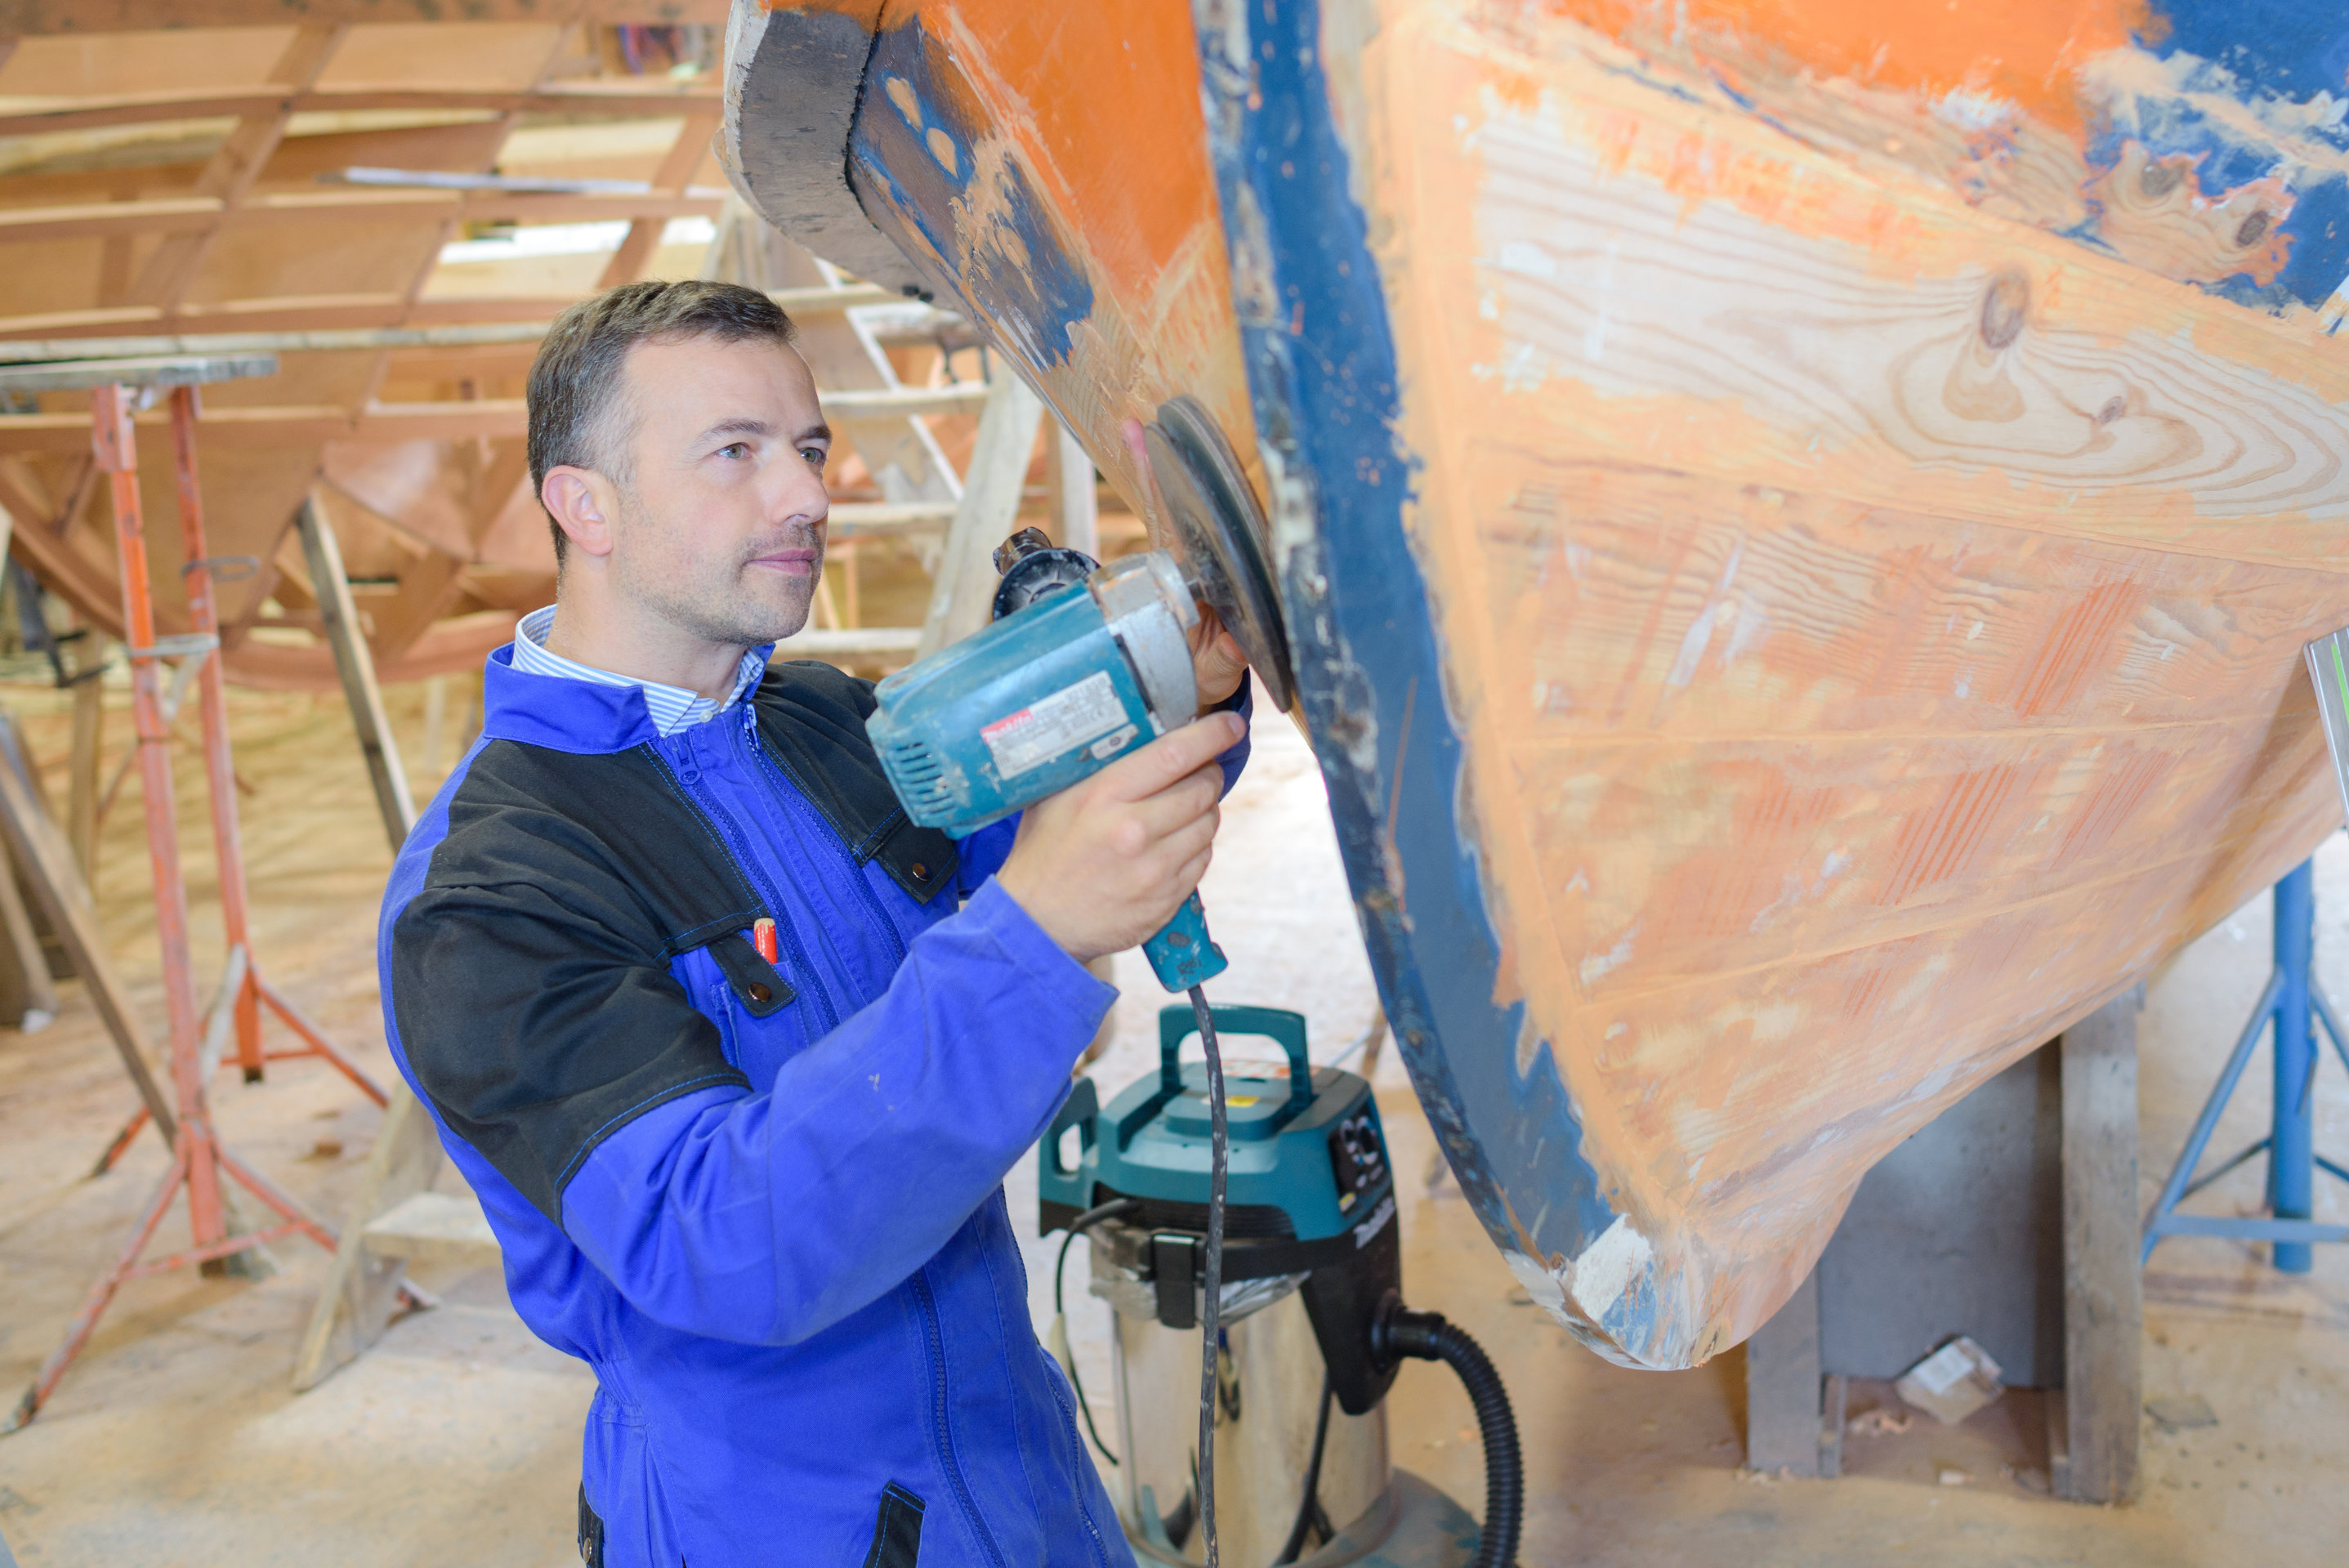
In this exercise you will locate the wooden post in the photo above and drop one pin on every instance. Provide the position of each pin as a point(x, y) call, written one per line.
point(2103, 1302)
point(89, 748)
point(1783, 1430)
point(361, 1289)
point(1076, 504)
point(965, 585)
point(436, 728)
point(356, 666)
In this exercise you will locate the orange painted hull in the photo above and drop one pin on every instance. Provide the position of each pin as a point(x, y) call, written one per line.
point(1798, 553)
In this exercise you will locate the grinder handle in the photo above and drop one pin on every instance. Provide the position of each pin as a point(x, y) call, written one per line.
point(1183, 955)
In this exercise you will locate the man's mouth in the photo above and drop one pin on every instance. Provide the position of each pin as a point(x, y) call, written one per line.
point(800, 561)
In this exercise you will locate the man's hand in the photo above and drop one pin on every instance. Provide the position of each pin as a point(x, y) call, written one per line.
point(1104, 864)
point(1215, 659)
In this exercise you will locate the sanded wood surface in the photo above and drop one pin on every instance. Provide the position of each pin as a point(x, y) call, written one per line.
point(1874, 626)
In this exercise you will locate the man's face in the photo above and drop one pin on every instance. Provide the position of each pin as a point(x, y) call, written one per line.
point(720, 530)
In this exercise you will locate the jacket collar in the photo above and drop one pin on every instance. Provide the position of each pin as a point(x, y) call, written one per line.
point(562, 712)
point(558, 712)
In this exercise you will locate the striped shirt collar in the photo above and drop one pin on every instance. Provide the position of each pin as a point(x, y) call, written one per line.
point(672, 708)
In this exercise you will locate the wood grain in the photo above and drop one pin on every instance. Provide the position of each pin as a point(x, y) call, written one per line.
point(1874, 626)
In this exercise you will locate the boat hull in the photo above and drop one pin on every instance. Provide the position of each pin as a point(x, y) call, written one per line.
point(1786, 631)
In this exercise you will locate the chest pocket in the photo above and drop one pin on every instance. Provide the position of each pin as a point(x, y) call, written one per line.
point(759, 989)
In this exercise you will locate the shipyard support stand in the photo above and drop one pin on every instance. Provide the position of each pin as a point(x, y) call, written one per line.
point(2290, 1010)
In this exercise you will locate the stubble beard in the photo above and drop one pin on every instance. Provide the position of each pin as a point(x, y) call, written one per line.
point(711, 599)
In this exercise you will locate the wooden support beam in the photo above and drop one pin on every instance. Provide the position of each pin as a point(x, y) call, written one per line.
point(799, 303)
point(39, 16)
point(852, 519)
point(852, 642)
point(1784, 1377)
point(631, 102)
point(355, 665)
point(992, 490)
point(491, 418)
point(685, 154)
point(362, 1288)
point(2104, 1290)
point(47, 863)
point(82, 766)
point(343, 206)
point(1075, 503)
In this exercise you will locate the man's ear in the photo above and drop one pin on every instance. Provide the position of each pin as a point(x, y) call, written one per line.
point(582, 502)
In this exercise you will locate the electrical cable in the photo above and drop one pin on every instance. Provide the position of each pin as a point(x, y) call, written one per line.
point(1210, 1309)
point(1085, 1221)
point(1308, 1505)
point(1397, 1331)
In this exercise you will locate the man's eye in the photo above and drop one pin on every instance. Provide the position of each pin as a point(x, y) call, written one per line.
point(813, 455)
point(735, 449)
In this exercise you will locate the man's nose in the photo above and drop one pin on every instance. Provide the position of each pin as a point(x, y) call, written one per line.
point(802, 497)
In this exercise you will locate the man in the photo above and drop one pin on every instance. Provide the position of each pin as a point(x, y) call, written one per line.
point(762, 1197)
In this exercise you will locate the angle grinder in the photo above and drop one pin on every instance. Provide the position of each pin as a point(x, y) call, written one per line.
point(1082, 664)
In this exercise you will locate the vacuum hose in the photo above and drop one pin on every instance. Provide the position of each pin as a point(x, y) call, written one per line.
point(1398, 1332)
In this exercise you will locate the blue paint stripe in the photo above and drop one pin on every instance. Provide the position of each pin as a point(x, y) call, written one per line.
point(1322, 373)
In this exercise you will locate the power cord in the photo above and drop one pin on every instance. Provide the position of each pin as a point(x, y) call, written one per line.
point(1211, 1308)
point(1082, 1222)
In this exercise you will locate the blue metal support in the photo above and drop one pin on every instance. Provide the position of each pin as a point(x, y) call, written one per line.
point(2289, 1009)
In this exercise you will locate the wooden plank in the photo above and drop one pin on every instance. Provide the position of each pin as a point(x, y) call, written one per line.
point(685, 154)
point(38, 17)
point(47, 861)
point(455, 420)
point(82, 761)
point(2104, 1303)
point(1074, 503)
point(355, 665)
point(631, 101)
point(852, 642)
point(991, 494)
point(1783, 1387)
point(232, 170)
point(343, 207)
point(852, 518)
point(433, 1227)
point(797, 302)
point(362, 1288)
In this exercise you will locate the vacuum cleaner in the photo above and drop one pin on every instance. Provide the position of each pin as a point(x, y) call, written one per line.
point(1313, 1325)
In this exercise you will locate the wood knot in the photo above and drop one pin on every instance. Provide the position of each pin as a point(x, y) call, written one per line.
point(2004, 307)
point(2254, 229)
point(2115, 407)
point(2158, 180)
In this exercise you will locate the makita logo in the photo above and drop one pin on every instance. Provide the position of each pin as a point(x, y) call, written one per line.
point(1376, 1223)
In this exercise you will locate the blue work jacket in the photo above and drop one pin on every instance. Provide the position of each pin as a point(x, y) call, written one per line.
point(762, 1201)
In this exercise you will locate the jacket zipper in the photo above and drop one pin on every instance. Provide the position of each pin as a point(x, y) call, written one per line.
point(780, 776)
point(921, 1283)
point(1079, 1456)
point(738, 840)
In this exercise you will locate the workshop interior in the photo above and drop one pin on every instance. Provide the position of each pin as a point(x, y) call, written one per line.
point(1763, 990)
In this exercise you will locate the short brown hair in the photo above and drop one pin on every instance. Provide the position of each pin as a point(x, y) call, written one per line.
point(575, 400)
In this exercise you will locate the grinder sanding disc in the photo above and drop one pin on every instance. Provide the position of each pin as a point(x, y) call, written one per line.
point(1220, 536)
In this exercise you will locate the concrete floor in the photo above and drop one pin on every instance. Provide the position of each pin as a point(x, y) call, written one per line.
point(175, 1440)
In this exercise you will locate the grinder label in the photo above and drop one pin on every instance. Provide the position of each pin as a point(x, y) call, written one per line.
point(1049, 726)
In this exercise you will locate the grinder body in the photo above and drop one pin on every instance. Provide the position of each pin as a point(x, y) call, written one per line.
point(1043, 699)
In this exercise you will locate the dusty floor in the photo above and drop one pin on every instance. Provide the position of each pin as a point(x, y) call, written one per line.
point(456, 1441)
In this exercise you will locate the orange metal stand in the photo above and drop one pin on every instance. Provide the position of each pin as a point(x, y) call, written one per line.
point(198, 1157)
point(220, 772)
